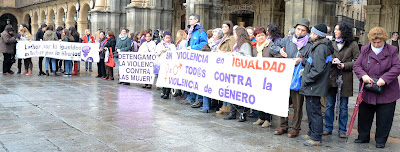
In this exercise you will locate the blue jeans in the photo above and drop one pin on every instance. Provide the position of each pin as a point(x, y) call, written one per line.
point(314, 114)
point(68, 66)
point(192, 96)
point(206, 103)
point(53, 64)
point(330, 113)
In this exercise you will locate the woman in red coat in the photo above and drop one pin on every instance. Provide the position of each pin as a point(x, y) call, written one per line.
point(377, 60)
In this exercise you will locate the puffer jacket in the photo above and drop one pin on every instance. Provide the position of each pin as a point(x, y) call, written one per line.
point(50, 36)
point(198, 38)
point(7, 41)
point(316, 69)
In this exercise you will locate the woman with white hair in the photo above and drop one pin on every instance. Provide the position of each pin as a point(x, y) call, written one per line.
point(216, 39)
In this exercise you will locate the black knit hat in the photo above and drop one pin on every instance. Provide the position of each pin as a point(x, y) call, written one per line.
point(320, 30)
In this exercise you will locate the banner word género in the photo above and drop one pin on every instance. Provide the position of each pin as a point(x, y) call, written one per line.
point(136, 67)
point(258, 83)
point(88, 52)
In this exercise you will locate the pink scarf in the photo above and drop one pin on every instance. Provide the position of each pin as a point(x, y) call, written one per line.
point(191, 29)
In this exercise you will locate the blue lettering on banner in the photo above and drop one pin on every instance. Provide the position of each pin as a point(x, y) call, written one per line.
point(184, 83)
point(225, 77)
point(193, 56)
point(236, 95)
point(196, 71)
point(267, 85)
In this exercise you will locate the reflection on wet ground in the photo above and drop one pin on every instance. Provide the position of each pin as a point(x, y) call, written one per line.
point(88, 114)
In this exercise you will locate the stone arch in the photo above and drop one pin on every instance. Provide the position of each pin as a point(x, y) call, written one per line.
point(28, 21)
point(8, 17)
point(70, 20)
point(50, 16)
point(34, 24)
point(60, 17)
point(41, 17)
point(83, 18)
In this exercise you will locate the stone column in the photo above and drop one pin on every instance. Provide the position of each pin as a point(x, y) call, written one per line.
point(216, 14)
point(372, 20)
point(100, 5)
point(203, 10)
point(35, 28)
point(82, 25)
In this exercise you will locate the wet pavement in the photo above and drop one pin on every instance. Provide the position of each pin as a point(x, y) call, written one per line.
point(83, 113)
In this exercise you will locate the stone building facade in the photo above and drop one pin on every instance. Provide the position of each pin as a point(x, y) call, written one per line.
point(173, 14)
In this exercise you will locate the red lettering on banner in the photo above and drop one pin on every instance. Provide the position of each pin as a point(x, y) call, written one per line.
point(266, 65)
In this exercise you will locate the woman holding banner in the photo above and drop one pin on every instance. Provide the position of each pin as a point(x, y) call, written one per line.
point(123, 45)
point(67, 37)
point(181, 40)
point(50, 35)
point(26, 36)
point(242, 47)
point(162, 47)
point(109, 44)
point(101, 67)
point(148, 46)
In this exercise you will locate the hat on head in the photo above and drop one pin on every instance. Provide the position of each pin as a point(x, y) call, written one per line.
point(320, 30)
point(156, 32)
point(166, 33)
point(304, 22)
point(9, 28)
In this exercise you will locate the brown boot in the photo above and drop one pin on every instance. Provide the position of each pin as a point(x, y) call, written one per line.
point(221, 110)
point(55, 73)
point(25, 72)
point(47, 72)
point(280, 131)
point(227, 109)
point(293, 133)
point(29, 72)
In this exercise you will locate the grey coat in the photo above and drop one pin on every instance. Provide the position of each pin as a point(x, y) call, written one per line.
point(316, 70)
point(7, 43)
point(245, 50)
point(290, 48)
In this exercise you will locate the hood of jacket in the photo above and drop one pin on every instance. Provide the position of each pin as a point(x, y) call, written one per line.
point(48, 34)
point(325, 41)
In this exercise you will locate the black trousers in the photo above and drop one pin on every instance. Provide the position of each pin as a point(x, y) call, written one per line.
point(7, 62)
point(166, 91)
point(384, 120)
point(28, 64)
point(101, 68)
point(41, 64)
point(265, 116)
point(19, 65)
point(314, 114)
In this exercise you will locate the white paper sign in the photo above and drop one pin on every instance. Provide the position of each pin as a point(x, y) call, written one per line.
point(59, 50)
point(136, 67)
point(258, 83)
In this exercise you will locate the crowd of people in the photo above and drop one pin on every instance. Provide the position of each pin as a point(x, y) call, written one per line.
point(323, 57)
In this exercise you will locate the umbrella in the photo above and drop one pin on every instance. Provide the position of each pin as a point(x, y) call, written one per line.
point(339, 82)
point(359, 100)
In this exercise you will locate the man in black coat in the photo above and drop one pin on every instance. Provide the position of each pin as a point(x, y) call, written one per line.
point(314, 83)
point(39, 37)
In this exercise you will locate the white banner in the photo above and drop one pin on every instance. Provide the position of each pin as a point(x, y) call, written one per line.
point(136, 67)
point(258, 83)
point(59, 50)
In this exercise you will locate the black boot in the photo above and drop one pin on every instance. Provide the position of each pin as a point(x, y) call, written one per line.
point(242, 117)
point(232, 114)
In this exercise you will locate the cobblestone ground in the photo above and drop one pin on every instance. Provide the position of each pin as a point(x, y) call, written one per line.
point(83, 113)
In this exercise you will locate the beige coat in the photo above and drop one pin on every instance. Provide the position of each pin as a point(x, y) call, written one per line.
point(226, 45)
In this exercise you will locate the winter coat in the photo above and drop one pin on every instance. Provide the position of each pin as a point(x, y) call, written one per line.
point(156, 39)
point(198, 38)
point(50, 36)
point(159, 50)
point(290, 48)
point(7, 41)
point(316, 69)
point(348, 55)
point(226, 45)
point(110, 43)
point(385, 65)
point(244, 50)
point(265, 51)
point(123, 45)
point(39, 35)
point(85, 39)
point(148, 46)
point(181, 45)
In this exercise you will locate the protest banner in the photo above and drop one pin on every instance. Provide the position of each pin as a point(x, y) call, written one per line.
point(60, 50)
point(136, 67)
point(257, 83)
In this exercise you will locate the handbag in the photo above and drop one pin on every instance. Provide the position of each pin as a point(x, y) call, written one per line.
point(373, 87)
point(110, 62)
point(295, 85)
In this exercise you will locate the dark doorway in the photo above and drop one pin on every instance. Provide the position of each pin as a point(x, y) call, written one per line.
point(10, 19)
point(242, 18)
point(183, 22)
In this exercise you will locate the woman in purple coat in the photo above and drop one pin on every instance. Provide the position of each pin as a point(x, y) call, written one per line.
point(380, 61)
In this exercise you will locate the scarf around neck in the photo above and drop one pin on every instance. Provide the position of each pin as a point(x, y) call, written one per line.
point(123, 37)
point(191, 29)
point(300, 43)
point(213, 44)
point(261, 47)
point(166, 45)
point(339, 40)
